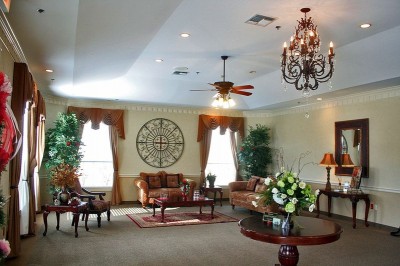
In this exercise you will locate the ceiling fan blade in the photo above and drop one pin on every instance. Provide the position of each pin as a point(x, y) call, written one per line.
point(245, 93)
point(243, 87)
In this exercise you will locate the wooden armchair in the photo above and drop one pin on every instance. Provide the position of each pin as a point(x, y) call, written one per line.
point(96, 206)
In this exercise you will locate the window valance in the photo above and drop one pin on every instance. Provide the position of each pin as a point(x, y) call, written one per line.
point(111, 117)
point(235, 124)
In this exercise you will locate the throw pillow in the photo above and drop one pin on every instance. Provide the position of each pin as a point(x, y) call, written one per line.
point(154, 181)
point(172, 180)
point(251, 184)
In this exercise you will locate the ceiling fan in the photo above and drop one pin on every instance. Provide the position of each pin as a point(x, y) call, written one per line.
point(224, 88)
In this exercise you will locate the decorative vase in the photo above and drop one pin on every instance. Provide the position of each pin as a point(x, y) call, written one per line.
point(63, 196)
point(287, 224)
point(211, 183)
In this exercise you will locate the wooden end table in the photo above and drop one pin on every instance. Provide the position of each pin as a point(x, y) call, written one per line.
point(165, 203)
point(76, 211)
point(354, 197)
point(215, 189)
point(313, 232)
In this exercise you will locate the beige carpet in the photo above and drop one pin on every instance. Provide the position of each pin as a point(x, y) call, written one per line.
point(179, 218)
point(122, 242)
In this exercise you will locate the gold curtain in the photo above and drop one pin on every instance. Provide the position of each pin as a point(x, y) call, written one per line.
point(115, 120)
point(208, 123)
point(109, 117)
point(22, 93)
point(116, 192)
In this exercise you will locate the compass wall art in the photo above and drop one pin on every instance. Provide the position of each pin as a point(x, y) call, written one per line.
point(160, 142)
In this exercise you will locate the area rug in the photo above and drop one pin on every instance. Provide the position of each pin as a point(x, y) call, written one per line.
point(146, 220)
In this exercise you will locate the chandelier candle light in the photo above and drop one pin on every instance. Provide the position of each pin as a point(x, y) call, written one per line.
point(301, 63)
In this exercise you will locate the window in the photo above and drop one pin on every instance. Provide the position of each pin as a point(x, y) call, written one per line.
point(220, 159)
point(97, 165)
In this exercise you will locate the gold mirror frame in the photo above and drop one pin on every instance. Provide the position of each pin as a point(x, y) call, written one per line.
point(363, 125)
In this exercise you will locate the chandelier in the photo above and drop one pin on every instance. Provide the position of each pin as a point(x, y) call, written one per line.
point(301, 63)
point(223, 100)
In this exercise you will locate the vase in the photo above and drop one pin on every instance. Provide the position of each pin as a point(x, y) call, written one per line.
point(287, 224)
point(211, 183)
point(63, 196)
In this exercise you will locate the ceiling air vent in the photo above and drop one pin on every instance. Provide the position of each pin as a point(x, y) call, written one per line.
point(260, 20)
point(180, 71)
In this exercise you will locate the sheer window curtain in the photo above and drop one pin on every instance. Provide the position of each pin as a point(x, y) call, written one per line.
point(208, 123)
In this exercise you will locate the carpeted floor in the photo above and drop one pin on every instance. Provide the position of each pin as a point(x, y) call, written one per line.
point(122, 242)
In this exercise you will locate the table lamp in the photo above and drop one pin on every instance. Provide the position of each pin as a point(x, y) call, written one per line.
point(346, 160)
point(328, 161)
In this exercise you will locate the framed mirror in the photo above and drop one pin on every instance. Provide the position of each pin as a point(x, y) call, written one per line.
point(352, 141)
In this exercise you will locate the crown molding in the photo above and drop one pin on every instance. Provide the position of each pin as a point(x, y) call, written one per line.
point(140, 108)
point(356, 98)
point(10, 41)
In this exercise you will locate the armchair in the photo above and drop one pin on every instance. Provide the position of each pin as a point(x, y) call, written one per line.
point(96, 206)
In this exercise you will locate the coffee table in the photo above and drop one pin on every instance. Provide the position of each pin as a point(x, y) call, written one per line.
point(164, 203)
point(313, 232)
point(76, 211)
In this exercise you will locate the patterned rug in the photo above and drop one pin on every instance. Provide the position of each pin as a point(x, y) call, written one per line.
point(146, 220)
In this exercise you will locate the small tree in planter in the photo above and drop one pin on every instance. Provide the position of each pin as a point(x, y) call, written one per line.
point(255, 153)
point(62, 144)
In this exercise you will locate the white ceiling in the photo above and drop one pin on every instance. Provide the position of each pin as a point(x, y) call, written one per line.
point(105, 49)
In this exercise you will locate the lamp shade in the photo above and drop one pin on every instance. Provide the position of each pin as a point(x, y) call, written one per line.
point(328, 160)
point(346, 160)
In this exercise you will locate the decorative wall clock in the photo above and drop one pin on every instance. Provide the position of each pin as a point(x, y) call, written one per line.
point(160, 143)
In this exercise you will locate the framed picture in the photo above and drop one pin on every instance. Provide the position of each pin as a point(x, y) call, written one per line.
point(356, 177)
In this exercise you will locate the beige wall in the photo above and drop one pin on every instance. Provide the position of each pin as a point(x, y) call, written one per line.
point(297, 134)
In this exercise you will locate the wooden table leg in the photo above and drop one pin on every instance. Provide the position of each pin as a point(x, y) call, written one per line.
point(288, 255)
point(212, 211)
point(154, 209)
point(220, 197)
point(354, 211)
point(367, 204)
point(201, 209)
point(45, 214)
point(162, 213)
point(329, 205)
point(86, 213)
point(58, 220)
point(76, 221)
point(317, 202)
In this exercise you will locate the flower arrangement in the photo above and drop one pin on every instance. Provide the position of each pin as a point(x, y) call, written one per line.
point(7, 131)
point(64, 175)
point(185, 187)
point(291, 193)
point(4, 249)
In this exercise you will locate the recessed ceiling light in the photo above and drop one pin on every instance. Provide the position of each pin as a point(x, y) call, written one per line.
point(49, 70)
point(365, 25)
point(185, 35)
point(158, 60)
point(319, 99)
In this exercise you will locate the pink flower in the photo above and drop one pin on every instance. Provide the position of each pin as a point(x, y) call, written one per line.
point(4, 248)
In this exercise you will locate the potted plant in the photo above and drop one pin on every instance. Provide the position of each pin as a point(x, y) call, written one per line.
point(62, 148)
point(211, 179)
point(255, 153)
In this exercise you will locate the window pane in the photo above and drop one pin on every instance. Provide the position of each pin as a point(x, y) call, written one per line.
point(220, 160)
point(96, 166)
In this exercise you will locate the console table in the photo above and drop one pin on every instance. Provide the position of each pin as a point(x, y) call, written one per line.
point(313, 231)
point(354, 197)
point(76, 211)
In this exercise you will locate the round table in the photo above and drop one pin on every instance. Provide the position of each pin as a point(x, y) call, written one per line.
point(312, 231)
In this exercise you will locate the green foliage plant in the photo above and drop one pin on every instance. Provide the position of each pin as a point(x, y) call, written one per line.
point(255, 153)
point(62, 143)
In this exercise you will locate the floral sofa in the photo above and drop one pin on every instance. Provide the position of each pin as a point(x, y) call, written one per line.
point(151, 185)
point(246, 193)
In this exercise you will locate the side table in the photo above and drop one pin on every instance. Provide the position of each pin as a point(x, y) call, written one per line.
point(215, 189)
point(76, 211)
point(353, 197)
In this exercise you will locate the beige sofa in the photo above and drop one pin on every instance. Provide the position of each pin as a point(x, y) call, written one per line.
point(151, 185)
point(243, 193)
